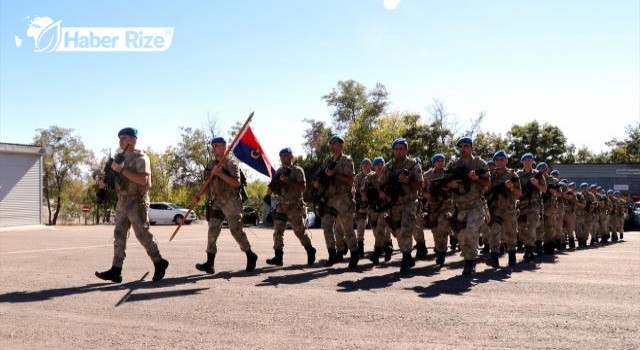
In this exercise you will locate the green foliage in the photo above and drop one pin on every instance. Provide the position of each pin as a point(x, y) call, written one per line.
point(547, 142)
point(62, 163)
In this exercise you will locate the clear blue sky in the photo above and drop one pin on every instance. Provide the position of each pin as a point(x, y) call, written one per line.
point(574, 64)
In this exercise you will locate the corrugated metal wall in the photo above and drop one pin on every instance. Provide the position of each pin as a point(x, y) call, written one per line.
point(20, 189)
point(605, 175)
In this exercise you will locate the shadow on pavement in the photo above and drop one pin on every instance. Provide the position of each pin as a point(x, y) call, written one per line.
point(460, 284)
point(383, 281)
point(46, 294)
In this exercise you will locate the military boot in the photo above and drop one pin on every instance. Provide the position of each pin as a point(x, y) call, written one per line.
point(494, 260)
point(453, 243)
point(520, 246)
point(160, 268)
point(361, 248)
point(407, 262)
point(252, 258)
point(561, 245)
point(114, 274)
point(604, 239)
point(548, 247)
point(538, 247)
point(340, 253)
point(353, 259)
point(528, 254)
point(311, 255)
point(614, 237)
point(388, 251)
point(375, 256)
point(421, 251)
point(469, 267)
point(503, 248)
point(333, 258)
point(621, 235)
point(512, 258)
point(208, 265)
point(440, 258)
point(572, 243)
point(277, 259)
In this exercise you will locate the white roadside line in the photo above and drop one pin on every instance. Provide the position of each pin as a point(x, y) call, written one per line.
point(89, 247)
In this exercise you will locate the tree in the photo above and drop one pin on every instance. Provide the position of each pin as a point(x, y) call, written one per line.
point(627, 150)
point(351, 101)
point(317, 137)
point(61, 163)
point(547, 143)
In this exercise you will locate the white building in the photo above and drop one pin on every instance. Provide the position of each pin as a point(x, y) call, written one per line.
point(21, 172)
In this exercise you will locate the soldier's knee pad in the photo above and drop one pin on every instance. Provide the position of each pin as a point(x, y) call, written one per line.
point(217, 214)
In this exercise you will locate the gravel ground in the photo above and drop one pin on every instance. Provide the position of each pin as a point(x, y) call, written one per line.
point(50, 298)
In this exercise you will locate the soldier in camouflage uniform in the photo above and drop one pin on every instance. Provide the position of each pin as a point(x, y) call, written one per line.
point(439, 207)
point(595, 219)
point(337, 193)
point(400, 181)
point(571, 206)
point(132, 187)
point(502, 198)
point(469, 179)
point(621, 208)
point(371, 190)
point(560, 239)
point(224, 201)
point(604, 207)
point(533, 184)
point(361, 210)
point(287, 186)
point(548, 231)
point(582, 228)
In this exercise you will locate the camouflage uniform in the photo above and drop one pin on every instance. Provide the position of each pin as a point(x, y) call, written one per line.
point(571, 202)
point(591, 221)
point(530, 207)
point(131, 210)
point(470, 209)
point(581, 227)
point(290, 207)
point(604, 207)
point(439, 212)
point(225, 201)
point(376, 217)
point(548, 232)
point(361, 212)
point(402, 214)
point(340, 206)
point(504, 212)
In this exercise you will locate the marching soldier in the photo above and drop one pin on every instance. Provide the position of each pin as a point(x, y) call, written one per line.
point(371, 188)
point(595, 219)
point(224, 202)
point(468, 181)
point(533, 184)
point(288, 185)
point(572, 205)
point(132, 188)
point(439, 207)
point(502, 198)
point(400, 181)
point(583, 219)
point(548, 231)
point(361, 209)
point(335, 183)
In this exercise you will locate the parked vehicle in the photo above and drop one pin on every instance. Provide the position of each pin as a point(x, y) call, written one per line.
point(250, 217)
point(311, 221)
point(169, 213)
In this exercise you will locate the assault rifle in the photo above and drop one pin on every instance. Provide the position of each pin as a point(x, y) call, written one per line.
point(109, 176)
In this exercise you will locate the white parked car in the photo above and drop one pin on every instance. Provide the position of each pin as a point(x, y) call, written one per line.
point(309, 221)
point(168, 213)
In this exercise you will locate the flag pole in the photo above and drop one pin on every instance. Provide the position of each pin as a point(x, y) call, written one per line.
point(204, 186)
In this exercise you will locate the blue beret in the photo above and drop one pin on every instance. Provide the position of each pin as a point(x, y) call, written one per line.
point(583, 185)
point(285, 150)
point(365, 161)
point(491, 162)
point(555, 172)
point(593, 187)
point(609, 191)
point(399, 141)
point(541, 165)
point(336, 138)
point(616, 192)
point(572, 183)
point(378, 160)
point(436, 157)
point(464, 140)
point(128, 131)
point(526, 156)
point(218, 139)
point(500, 153)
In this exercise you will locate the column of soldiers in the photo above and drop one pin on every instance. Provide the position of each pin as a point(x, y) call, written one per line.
point(459, 200)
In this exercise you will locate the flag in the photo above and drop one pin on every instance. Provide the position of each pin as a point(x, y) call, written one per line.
point(248, 151)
